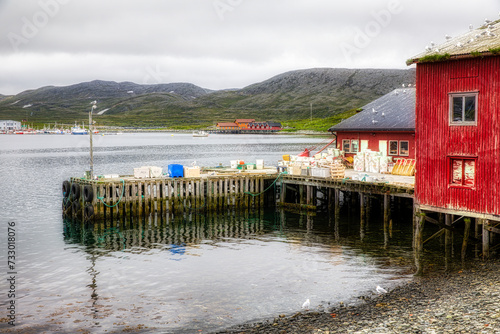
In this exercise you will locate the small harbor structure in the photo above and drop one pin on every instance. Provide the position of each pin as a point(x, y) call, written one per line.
point(386, 125)
point(10, 125)
point(247, 126)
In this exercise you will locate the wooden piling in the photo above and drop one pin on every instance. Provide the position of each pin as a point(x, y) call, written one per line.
point(466, 237)
point(418, 237)
point(486, 239)
point(447, 241)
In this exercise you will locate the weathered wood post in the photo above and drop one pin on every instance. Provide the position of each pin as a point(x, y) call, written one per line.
point(362, 216)
point(486, 239)
point(387, 208)
point(362, 205)
point(448, 241)
point(466, 238)
point(337, 204)
point(283, 187)
point(419, 245)
point(261, 196)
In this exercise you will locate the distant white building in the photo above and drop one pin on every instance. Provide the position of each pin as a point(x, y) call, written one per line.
point(6, 125)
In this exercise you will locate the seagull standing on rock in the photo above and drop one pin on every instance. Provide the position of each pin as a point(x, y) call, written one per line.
point(380, 290)
point(306, 304)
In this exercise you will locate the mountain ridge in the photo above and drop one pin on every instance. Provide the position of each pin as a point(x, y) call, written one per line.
point(290, 95)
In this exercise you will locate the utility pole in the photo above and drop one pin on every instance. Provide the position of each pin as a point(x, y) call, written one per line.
point(311, 111)
point(91, 146)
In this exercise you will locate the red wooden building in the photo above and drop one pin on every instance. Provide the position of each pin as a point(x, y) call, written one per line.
point(458, 125)
point(244, 123)
point(386, 125)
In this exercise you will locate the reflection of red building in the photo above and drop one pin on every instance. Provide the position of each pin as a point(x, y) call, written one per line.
point(386, 125)
point(457, 124)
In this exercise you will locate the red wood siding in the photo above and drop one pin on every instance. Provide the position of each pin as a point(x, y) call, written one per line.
point(374, 138)
point(437, 141)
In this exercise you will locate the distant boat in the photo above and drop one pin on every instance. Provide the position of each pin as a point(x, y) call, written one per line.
point(200, 134)
point(77, 130)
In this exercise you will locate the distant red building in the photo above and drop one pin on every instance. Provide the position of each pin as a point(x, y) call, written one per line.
point(386, 125)
point(244, 123)
point(458, 126)
point(227, 126)
point(248, 126)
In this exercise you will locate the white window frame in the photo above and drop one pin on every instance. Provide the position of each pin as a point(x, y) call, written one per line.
point(463, 172)
point(400, 150)
point(348, 141)
point(463, 95)
point(389, 147)
point(352, 145)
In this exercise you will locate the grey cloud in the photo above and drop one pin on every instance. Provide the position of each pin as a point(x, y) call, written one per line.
point(216, 43)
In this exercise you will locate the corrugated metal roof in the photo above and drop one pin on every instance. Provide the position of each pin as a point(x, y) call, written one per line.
point(392, 112)
point(481, 40)
point(244, 121)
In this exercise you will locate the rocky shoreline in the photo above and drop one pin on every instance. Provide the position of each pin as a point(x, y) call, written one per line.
point(464, 301)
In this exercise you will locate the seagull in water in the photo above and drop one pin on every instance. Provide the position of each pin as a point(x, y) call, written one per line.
point(380, 290)
point(306, 304)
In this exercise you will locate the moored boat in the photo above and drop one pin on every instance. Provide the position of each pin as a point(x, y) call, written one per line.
point(200, 134)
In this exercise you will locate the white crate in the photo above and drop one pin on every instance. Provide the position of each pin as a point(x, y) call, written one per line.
point(155, 171)
point(320, 172)
point(141, 172)
point(259, 164)
point(111, 176)
point(191, 171)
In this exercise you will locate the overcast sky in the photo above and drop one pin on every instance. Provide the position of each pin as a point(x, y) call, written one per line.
point(216, 44)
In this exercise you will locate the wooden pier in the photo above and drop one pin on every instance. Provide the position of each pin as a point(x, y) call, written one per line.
point(94, 200)
point(118, 198)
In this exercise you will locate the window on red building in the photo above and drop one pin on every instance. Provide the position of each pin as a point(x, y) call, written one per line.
point(463, 108)
point(393, 147)
point(354, 146)
point(346, 145)
point(404, 148)
point(463, 172)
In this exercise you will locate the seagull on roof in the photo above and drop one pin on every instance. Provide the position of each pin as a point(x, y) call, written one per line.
point(448, 37)
point(471, 27)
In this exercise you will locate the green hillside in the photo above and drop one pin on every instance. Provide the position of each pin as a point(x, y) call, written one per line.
point(286, 98)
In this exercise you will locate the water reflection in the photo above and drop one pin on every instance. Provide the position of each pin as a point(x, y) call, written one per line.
point(207, 272)
point(166, 234)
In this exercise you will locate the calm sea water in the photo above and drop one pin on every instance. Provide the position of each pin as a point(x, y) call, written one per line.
point(191, 274)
